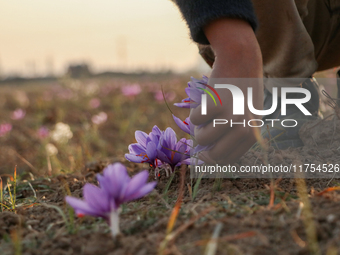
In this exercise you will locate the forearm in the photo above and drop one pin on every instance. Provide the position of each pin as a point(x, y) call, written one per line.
point(237, 52)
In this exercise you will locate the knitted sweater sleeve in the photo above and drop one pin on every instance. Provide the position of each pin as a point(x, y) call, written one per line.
point(199, 13)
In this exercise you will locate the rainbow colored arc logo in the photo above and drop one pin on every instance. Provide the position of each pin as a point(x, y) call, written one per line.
point(209, 93)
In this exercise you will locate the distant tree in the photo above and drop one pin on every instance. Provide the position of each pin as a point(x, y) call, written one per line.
point(78, 71)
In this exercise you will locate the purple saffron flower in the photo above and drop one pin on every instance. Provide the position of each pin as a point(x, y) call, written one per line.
point(194, 91)
point(18, 114)
point(94, 103)
point(184, 125)
point(5, 128)
point(131, 90)
point(172, 152)
point(43, 132)
point(145, 150)
point(116, 188)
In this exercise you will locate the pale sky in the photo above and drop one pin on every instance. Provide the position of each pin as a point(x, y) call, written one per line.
point(110, 34)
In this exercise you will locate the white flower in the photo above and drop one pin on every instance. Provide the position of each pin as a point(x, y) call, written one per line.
point(90, 89)
point(99, 118)
point(51, 150)
point(62, 133)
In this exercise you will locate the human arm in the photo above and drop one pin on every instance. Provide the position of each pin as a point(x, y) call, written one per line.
point(237, 55)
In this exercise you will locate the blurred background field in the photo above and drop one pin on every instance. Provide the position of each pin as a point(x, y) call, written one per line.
point(77, 79)
point(60, 125)
point(97, 67)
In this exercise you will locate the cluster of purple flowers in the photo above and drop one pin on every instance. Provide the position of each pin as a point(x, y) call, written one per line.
point(156, 148)
point(159, 147)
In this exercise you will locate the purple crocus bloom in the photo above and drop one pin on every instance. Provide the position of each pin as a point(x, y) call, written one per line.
point(172, 152)
point(18, 114)
point(184, 125)
point(94, 103)
point(43, 132)
point(5, 128)
point(145, 150)
point(116, 188)
point(194, 93)
point(131, 90)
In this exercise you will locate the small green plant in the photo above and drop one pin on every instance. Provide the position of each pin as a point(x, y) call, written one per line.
point(217, 184)
point(14, 195)
point(69, 223)
point(1, 195)
point(165, 193)
point(197, 184)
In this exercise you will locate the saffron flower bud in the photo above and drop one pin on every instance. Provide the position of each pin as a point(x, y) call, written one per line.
point(115, 188)
point(194, 92)
point(184, 125)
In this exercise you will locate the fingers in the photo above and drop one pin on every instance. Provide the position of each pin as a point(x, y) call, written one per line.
point(230, 147)
point(209, 134)
point(239, 152)
point(227, 144)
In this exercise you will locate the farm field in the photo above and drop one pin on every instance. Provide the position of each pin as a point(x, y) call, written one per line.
point(56, 136)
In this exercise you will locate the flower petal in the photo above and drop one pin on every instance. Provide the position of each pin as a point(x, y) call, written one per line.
point(142, 192)
point(96, 198)
point(81, 207)
point(134, 158)
point(181, 124)
point(117, 177)
point(183, 105)
point(141, 137)
point(156, 131)
point(195, 95)
point(170, 137)
point(136, 183)
point(136, 149)
point(151, 151)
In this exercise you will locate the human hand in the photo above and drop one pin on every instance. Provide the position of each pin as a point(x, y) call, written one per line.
point(237, 56)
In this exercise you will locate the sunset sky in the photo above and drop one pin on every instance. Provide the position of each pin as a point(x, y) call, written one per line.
point(46, 35)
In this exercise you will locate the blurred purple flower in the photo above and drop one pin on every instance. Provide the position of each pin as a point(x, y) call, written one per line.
point(131, 90)
point(94, 103)
point(169, 96)
point(43, 132)
point(194, 93)
point(18, 114)
point(145, 150)
point(172, 152)
point(184, 125)
point(5, 128)
point(100, 118)
point(65, 94)
point(116, 188)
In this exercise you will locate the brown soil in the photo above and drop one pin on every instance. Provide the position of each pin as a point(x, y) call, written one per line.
point(249, 224)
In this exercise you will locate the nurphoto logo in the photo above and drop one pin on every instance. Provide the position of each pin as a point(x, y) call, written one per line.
point(238, 104)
